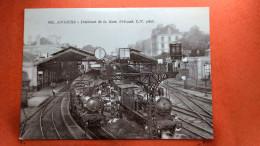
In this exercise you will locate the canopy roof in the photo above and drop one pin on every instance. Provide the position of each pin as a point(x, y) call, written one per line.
point(69, 54)
point(137, 57)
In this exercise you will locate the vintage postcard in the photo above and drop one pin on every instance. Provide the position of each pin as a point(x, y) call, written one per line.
point(116, 73)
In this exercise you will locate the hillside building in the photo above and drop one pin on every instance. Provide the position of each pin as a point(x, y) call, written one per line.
point(162, 37)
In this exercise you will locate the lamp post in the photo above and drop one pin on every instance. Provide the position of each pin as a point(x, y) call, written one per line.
point(185, 61)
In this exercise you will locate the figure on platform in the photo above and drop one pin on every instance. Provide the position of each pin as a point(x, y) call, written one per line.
point(54, 92)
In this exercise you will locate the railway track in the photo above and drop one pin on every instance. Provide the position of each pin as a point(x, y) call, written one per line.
point(44, 125)
point(34, 118)
point(204, 104)
point(196, 107)
point(193, 128)
point(205, 100)
point(195, 114)
point(189, 113)
point(193, 106)
point(47, 125)
point(99, 133)
point(197, 130)
point(208, 90)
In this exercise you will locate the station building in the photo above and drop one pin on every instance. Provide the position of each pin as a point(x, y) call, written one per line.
point(199, 70)
point(64, 65)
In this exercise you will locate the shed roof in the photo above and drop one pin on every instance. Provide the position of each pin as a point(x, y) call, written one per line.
point(69, 54)
point(137, 57)
point(142, 58)
point(73, 48)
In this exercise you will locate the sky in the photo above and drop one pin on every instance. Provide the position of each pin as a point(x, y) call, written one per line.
point(110, 35)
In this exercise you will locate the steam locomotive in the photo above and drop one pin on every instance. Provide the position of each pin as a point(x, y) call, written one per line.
point(86, 106)
point(134, 101)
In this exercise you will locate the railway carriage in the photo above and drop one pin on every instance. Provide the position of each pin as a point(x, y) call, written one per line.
point(134, 102)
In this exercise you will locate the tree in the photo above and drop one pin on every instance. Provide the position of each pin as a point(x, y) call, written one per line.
point(89, 48)
point(195, 39)
point(143, 46)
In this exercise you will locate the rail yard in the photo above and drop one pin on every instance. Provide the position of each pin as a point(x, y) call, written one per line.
point(126, 97)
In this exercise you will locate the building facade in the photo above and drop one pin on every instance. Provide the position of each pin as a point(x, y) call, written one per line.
point(199, 71)
point(162, 36)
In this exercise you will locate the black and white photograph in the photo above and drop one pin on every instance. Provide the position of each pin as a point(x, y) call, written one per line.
point(116, 73)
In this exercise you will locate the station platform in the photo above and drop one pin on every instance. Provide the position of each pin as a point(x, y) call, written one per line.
point(75, 130)
point(35, 99)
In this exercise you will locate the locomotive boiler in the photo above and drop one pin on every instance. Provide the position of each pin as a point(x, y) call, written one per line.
point(86, 106)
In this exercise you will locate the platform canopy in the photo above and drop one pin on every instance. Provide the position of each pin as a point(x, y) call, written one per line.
point(64, 65)
point(140, 58)
point(69, 54)
point(137, 57)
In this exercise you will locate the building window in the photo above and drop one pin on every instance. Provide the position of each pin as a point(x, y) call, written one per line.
point(162, 45)
point(207, 71)
point(169, 38)
point(162, 39)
